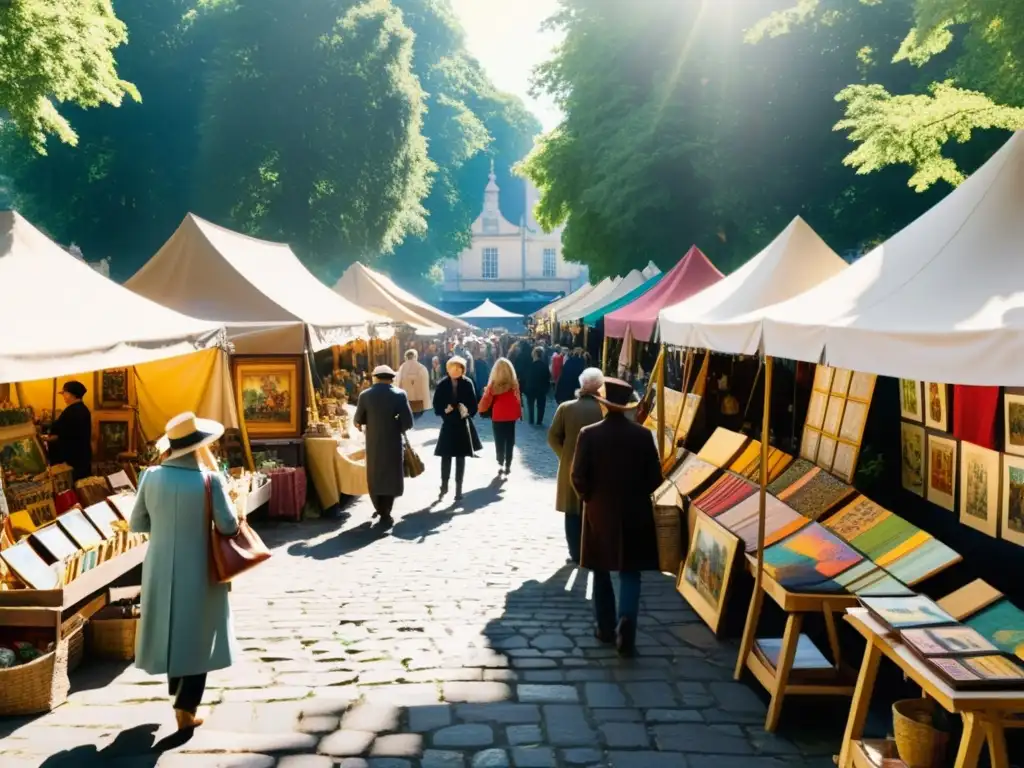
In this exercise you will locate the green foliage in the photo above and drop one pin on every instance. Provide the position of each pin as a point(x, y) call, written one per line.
point(58, 50)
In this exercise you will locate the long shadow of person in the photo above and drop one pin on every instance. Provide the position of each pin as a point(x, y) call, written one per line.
point(133, 747)
point(348, 541)
point(423, 523)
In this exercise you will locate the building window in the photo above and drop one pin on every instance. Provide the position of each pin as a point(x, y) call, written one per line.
point(489, 270)
point(490, 225)
point(550, 266)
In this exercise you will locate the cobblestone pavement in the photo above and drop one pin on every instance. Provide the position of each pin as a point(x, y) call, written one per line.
point(460, 639)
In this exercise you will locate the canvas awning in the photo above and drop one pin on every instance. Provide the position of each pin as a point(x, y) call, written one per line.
point(726, 317)
point(650, 270)
point(555, 305)
point(942, 300)
point(60, 316)
point(626, 285)
point(490, 311)
point(692, 274)
point(578, 309)
point(601, 289)
point(377, 292)
point(210, 272)
point(595, 317)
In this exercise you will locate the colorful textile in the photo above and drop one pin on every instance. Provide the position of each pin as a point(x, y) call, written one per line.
point(816, 494)
point(726, 492)
point(780, 521)
point(792, 473)
point(778, 461)
point(745, 458)
point(287, 492)
point(975, 410)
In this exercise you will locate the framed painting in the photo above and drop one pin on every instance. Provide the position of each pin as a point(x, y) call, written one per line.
point(936, 410)
point(816, 409)
point(22, 456)
point(844, 466)
point(78, 528)
point(114, 433)
point(854, 418)
point(1013, 499)
point(912, 457)
point(704, 578)
point(979, 488)
point(1013, 414)
point(55, 542)
point(809, 443)
point(942, 466)
point(913, 612)
point(42, 512)
point(833, 416)
point(113, 388)
point(862, 387)
point(269, 393)
point(810, 559)
point(26, 564)
point(841, 381)
point(823, 378)
point(910, 400)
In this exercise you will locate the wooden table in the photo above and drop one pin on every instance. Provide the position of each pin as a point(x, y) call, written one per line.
point(785, 677)
point(986, 714)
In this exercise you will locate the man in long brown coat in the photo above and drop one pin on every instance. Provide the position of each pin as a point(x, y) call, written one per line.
point(569, 419)
point(615, 471)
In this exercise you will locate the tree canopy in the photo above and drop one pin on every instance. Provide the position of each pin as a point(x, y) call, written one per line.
point(351, 129)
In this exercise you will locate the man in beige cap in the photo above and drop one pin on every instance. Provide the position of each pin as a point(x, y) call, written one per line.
point(383, 410)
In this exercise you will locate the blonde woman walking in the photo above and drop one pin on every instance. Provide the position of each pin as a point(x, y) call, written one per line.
point(502, 397)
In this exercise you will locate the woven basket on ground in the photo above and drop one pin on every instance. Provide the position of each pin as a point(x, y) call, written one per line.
point(670, 538)
point(41, 685)
point(920, 745)
point(112, 638)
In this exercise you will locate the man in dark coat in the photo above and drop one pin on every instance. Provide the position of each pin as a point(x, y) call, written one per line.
point(384, 411)
point(615, 471)
point(70, 438)
point(568, 381)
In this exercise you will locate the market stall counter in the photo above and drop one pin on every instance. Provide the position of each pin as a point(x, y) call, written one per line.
point(336, 459)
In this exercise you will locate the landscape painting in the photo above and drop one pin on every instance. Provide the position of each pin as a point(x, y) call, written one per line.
point(910, 400)
point(942, 466)
point(112, 388)
point(22, 457)
point(1013, 409)
point(270, 392)
point(704, 578)
point(912, 457)
point(979, 488)
point(113, 433)
point(1013, 499)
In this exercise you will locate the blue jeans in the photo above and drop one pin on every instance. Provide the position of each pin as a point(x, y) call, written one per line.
point(604, 599)
point(574, 536)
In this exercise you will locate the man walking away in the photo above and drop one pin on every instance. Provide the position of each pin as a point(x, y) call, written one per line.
point(538, 386)
point(383, 410)
point(615, 471)
point(413, 378)
point(571, 370)
point(569, 419)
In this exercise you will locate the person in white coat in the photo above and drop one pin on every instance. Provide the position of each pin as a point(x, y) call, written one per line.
point(414, 379)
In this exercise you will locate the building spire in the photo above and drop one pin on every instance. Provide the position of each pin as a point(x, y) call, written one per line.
point(491, 194)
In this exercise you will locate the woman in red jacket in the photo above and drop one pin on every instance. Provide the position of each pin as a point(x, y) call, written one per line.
point(501, 397)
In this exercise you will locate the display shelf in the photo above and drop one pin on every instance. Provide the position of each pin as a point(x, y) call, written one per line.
point(258, 498)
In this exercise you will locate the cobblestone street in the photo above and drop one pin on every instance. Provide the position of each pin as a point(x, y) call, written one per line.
point(459, 639)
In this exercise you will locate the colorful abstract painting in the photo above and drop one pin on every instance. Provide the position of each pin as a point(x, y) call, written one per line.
point(1002, 624)
point(810, 559)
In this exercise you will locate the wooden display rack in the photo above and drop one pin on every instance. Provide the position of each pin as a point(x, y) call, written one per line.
point(786, 677)
point(986, 714)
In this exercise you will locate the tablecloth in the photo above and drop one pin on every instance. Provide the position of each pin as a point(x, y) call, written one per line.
point(336, 467)
point(287, 492)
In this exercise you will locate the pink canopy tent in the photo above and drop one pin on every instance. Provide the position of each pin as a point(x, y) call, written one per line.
point(692, 274)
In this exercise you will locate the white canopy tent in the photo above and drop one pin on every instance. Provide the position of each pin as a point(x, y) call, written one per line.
point(557, 304)
point(650, 270)
point(726, 316)
point(87, 323)
point(622, 286)
point(942, 300)
point(489, 311)
point(249, 285)
point(603, 288)
point(378, 292)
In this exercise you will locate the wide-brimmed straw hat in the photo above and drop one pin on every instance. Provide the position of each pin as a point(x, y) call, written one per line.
point(186, 433)
point(618, 396)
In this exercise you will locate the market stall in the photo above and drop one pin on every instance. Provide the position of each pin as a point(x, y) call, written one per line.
point(377, 292)
point(490, 315)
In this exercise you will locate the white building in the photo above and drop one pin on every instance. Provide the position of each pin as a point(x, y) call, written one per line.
point(514, 266)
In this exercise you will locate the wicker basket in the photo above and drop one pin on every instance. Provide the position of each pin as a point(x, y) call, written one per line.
point(919, 744)
point(670, 538)
point(112, 638)
point(41, 685)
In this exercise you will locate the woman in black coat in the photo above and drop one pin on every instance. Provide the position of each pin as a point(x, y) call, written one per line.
point(537, 386)
point(70, 438)
point(455, 402)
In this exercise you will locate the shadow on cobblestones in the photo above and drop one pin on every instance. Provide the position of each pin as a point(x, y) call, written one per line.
point(135, 745)
point(344, 543)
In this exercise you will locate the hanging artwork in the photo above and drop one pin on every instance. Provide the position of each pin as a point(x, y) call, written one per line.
point(1013, 410)
point(269, 393)
point(936, 411)
point(942, 466)
point(114, 433)
point(113, 388)
point(1013, 499)
point(910, 400)
point(704, 577)
point(979, 488)
point(912, 457)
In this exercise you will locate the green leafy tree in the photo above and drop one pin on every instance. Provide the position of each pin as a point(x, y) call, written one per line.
point(58, 50)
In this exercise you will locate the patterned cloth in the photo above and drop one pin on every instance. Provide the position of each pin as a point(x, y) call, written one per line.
point(816, 494)
point(287, 492)
point(727, 491)
point(796, 470)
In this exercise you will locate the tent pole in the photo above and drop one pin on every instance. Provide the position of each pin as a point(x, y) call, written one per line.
point(586, 338)
point(336, 357)
point(604, 354)
point(660, 368)
point(750, 631)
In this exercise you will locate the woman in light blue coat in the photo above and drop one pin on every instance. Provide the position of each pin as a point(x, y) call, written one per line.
point(186, 629)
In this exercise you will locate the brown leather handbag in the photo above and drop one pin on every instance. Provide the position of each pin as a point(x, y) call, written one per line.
point(231, 556)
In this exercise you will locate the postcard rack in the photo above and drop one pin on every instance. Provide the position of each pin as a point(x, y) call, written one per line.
point(986, 714)
point(794, 666)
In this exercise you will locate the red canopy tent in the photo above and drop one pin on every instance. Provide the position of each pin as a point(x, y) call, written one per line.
point(692, 274)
